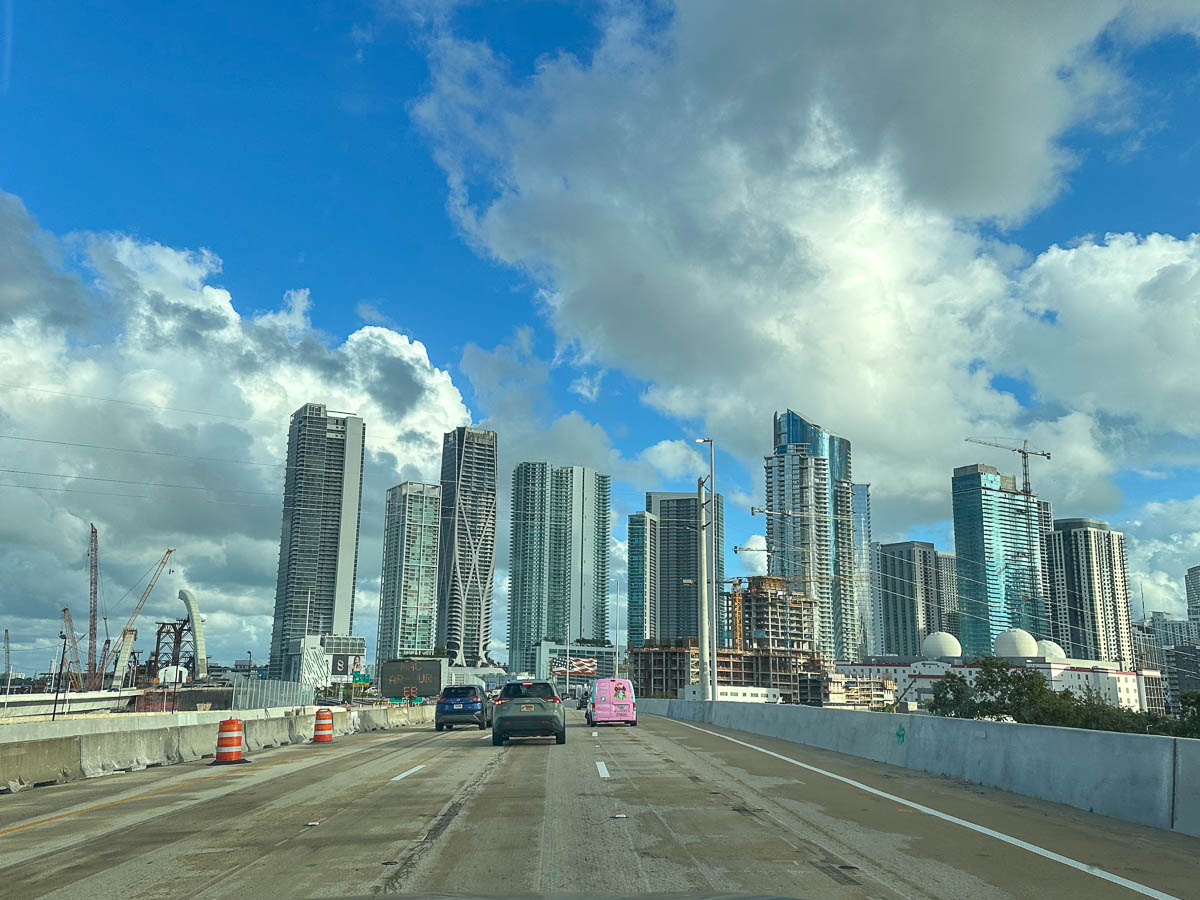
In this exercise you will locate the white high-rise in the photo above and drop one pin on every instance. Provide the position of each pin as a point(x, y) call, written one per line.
point(810, 533)
point(1089, 591)
point(318, 547)
point(408, 584)
point(467, 552)
point(558, 558)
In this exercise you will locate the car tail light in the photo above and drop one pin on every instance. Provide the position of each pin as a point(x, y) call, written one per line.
point(499, 700)
point(553, 699)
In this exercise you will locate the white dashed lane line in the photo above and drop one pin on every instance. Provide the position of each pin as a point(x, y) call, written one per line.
point(602, 769)
point(411, 771)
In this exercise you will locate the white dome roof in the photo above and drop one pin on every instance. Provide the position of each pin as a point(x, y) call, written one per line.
point(1050, 650)
point(939, 644)
point(1016, 642)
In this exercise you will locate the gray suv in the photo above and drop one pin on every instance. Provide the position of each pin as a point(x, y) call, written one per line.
point(529, 709)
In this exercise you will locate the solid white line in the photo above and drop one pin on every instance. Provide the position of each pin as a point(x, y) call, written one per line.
point(937, 814)
point(409, 772)
point(602, 769)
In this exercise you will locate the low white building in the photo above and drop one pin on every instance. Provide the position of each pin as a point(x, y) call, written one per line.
point(941, 654)
point(733, 693)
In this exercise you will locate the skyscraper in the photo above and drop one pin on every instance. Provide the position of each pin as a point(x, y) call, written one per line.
point(467, 553)
point(1192, 584)
point(948, 593)
point(909, 596)
point(865, 573)
point(558, 558)
point(678, 561)
point(408, 585)
point(318, 547)
point(998, 545)
point(642, 538)
point(1089, 591)
point(810, 532)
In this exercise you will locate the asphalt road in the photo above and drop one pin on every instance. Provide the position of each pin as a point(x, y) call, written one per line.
point(660, 807)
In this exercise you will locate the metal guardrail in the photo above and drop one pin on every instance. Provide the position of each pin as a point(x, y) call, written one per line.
point(257, 693)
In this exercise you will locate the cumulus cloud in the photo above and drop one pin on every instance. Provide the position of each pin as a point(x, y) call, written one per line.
point(204, 392)
point(756, 208)
point(753, 555)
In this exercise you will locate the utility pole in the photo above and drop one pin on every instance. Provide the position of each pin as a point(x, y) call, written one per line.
point(701, 592)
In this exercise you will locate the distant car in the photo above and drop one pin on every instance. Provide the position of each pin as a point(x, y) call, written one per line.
point(529, 709)
point(462, 704)
point(612, 701)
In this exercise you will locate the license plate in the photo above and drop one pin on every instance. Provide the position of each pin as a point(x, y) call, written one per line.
point(458, 706)
point(622, 707)
point(528, 707)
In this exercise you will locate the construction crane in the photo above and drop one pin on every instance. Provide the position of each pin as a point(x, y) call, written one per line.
point(73, 669)
point(129, 633)
point(93, 579)
point(1024, 450)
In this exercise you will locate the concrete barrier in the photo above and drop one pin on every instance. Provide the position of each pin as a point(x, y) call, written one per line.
point(29, 763)
point(1147, 779)
point(262, 734)
point(118, 751)
point(1186, 807)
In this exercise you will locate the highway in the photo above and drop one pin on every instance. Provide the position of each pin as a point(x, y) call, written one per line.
point(665, 806)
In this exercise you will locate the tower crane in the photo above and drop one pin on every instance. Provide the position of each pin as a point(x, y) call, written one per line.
point(1024, 450)
point(129, 633)
point(74, 670)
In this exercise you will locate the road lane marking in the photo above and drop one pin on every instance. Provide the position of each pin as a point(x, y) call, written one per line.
point(409, 772)
point(602, 769)
point(946, 817)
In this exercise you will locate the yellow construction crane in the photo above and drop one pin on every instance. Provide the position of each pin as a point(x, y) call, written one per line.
point(129, 633)
point(1023, 449)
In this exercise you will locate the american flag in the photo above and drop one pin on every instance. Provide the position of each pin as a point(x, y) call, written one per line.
point(580, 665)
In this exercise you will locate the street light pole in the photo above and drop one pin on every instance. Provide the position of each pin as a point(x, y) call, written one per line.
point(701, 599)
point(712, 524)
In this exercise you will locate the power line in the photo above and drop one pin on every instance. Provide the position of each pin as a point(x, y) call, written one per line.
point(236, 462)
point(194, 412)
point(185, 487)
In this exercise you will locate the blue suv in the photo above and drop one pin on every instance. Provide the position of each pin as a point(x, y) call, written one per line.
point(462, 704)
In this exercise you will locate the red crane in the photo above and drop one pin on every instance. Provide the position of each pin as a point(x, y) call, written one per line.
point(94, 574)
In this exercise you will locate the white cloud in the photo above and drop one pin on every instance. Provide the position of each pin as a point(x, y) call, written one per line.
point(753, 557)
point(794, 190)
point(1162, 543)
point(587, 386)
point(675, 459)
point(154, 332)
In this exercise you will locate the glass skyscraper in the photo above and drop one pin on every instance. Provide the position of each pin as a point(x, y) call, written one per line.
point(558, 558)
point(998, 548)
point(408, 582)
point(678, 562)
point(642, 540)
point(318, 547)
point(467, 552)
point(810, 527)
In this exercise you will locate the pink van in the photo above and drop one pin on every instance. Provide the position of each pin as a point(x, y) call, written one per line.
point(612, 701)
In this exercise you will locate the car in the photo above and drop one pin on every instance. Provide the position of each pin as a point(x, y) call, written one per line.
point(529, 709)
point(462, 704)
point(612, 701)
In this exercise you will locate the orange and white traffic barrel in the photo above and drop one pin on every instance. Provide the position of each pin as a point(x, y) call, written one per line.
point(229, 743)
point(323, 727)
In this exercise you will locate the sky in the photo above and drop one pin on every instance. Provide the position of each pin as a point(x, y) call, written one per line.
point(604, 230)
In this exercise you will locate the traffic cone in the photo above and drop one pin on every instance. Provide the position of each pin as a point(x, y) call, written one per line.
point(323, 727)
point(229, 743)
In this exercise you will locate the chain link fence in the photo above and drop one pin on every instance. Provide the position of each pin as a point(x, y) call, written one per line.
point(257, 693)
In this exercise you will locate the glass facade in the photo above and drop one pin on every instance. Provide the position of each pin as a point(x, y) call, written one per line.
point(998, 549)
point(642, 537)
point(678, 561)
point(810, 530)
point(408, 582)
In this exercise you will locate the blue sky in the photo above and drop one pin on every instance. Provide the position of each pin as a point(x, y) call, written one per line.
point(309, 146)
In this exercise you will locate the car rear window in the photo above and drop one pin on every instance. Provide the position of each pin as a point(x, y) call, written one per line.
point(461, 691)
point(533, 689)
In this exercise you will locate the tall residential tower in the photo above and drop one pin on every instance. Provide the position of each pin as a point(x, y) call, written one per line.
point(1089, 591)
point(318, 547)
point(408, 592)
point(810, 530)
point(998, 546)
point(678, 561)
point(558, 558)
point(642, 540)
point(467, 554)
